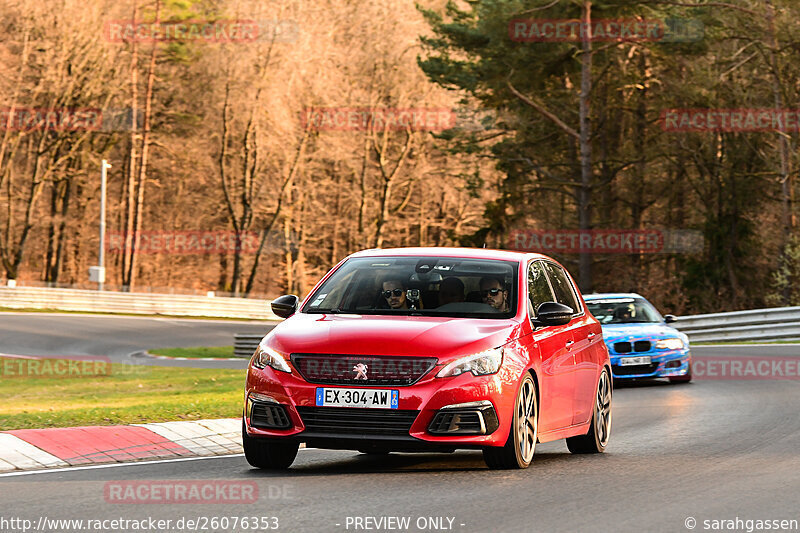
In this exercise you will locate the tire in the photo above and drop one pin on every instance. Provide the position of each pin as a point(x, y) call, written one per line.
point(596, 440)
point(267, 453)
point(521, 442)
point(686, 378)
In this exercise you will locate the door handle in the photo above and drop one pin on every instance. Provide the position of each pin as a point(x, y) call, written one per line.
point(570, 343)
point(591, 335)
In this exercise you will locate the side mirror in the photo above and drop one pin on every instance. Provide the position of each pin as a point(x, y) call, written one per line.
point(553, 314)
point(285, 306)
point(670, 319)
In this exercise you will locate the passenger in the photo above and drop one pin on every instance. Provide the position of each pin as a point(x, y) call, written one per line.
point(451, 290)
point(493, 293)
point(394, 291)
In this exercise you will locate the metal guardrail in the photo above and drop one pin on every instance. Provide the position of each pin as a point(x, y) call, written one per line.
point(780, 323)
point(244, 344)
point(134, 303)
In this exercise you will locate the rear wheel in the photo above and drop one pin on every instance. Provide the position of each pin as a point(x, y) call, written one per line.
point(686, 378)
point(596, 439)
point(521, 443)
point(267, 453)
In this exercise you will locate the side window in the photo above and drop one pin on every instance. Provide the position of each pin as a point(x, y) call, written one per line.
point(538, 287)
point(562, 287)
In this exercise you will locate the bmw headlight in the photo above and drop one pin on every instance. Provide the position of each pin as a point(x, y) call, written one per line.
point(673, 343)
point(266, 356)
point(480, 364)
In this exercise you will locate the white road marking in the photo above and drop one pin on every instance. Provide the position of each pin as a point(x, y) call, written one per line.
point(16, 356)
point(117, 465)
point(21, 454)
point(158, 318)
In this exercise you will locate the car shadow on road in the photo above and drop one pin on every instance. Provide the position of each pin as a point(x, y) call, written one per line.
point(642, 383)
point(352, 463)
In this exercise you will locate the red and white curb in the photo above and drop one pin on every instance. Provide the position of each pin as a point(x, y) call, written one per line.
point(35, 449)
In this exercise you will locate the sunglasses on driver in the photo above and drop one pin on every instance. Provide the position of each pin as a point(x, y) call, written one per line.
point(394, 292)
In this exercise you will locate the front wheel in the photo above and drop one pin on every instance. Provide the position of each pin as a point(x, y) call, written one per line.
point(268, 454)
point(686, 378)
point(521, 442)
point(596, 440)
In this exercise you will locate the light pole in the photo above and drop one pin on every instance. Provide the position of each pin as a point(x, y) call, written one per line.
point(98, 273)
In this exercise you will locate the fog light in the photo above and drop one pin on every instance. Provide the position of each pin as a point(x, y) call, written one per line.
point(473, 418)
point(265, 412)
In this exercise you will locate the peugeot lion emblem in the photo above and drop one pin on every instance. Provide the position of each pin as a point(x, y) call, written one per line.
point(361, 371)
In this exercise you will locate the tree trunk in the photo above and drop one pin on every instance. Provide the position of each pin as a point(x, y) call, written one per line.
point(585, 190)
point(148, 111)
point(128, 250)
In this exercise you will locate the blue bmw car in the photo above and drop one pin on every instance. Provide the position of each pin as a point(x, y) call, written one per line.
point(640, 341)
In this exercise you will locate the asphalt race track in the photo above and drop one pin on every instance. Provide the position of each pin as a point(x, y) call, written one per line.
point(119, 337)
point(708, 450)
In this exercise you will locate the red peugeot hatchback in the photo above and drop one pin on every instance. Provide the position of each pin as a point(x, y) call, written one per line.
point(431, 349)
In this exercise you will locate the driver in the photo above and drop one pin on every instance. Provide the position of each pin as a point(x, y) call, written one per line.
point(493, 294)
point(394, 292)
point(625, 314)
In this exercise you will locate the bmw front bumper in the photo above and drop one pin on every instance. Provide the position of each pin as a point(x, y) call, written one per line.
point(663, 364)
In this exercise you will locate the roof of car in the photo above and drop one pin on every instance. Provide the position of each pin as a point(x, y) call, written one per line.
point(611, 295)
point(472, 253)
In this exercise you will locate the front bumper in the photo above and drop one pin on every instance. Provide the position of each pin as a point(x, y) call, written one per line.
point(667, 363)
point(423, 420)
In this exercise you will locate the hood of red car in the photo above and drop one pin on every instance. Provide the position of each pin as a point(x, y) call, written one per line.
point(390, 335)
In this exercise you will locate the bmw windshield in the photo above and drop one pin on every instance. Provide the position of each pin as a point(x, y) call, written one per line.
point(419, 286)
point(623, 311)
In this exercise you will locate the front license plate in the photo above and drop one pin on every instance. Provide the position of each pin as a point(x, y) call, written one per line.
point(371, 398)
point(631, 361)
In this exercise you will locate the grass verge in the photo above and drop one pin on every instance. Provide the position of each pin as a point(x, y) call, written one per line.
point(127, 394)
point(222, 352)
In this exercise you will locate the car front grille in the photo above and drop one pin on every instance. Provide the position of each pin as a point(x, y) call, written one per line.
point(622, 347)
point(634, 369)
point(627, 347)
point(352, 421)
point(362, 369)
point(641, 346)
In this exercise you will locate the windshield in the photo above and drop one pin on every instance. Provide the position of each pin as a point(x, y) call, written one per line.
point(623, 311)
point(419, 286)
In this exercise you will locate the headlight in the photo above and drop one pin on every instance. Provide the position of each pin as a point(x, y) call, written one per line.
point(673, 343)
point(266, 356)
point(480, 364)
